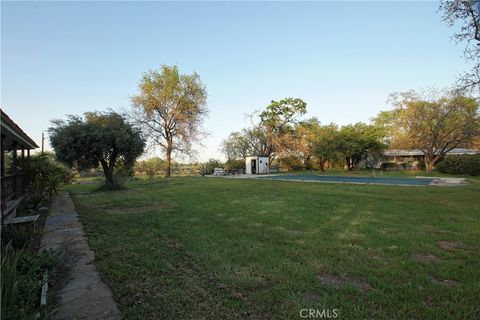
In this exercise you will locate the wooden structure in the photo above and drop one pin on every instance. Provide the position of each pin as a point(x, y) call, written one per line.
point(13, 181)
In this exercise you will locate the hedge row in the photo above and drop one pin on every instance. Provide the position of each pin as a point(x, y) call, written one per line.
point(461, 164)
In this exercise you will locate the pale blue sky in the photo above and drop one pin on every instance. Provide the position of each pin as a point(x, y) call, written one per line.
point(342, 58)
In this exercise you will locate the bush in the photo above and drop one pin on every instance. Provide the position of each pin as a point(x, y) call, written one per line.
point(460, 164)
point(208, 167)
point(22, 274)
point(44, 177)
point(291, 163)
point(235, 164)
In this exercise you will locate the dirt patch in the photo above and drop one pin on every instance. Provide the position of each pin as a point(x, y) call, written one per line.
point(450, 245)
point(361, 285)
point(238, 296)
point(335, 281)
point(135, 210)
point(426, 258)
point(428, 301)
point(446, 282)
point(310, 296)
point(330, 280)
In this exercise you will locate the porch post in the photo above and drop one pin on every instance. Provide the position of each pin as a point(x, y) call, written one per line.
point(14, 168)
point(2, 176)
point(23, 177)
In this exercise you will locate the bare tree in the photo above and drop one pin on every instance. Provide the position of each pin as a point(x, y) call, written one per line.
point(170, 108)
point(467, 12)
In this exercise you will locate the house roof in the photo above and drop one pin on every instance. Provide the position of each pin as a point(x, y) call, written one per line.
point(417, 152)
point(12, 130)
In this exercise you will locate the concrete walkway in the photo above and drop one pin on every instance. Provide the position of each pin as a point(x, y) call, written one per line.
point(79, 292)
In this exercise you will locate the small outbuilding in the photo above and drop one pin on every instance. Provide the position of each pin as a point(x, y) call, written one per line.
point(256, 165)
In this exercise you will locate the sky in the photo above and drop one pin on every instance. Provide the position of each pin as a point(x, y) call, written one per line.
point(342, 58)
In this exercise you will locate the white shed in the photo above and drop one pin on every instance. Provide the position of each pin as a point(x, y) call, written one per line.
point(256, 165)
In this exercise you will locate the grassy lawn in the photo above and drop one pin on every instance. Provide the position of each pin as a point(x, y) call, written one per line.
point(204, 248)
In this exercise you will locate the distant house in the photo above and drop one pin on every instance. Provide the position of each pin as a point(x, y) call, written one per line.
point(410, 159)
point(15, 144)
point(417, 155)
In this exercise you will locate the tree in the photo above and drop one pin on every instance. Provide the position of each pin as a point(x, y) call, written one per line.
point(359, 140)
point(278, 122)
point(435, 125)
point(305, 136)
point(236, 146)
point(170, 108)
point(466, 12)
point(257, 137)
point(98, 138)
point(326, 144)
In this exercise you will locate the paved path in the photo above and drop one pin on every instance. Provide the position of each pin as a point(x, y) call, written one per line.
point(79, 293)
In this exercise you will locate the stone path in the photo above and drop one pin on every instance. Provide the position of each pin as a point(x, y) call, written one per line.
point(79, 293)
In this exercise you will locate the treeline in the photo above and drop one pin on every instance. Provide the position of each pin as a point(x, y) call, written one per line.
point(433, 122)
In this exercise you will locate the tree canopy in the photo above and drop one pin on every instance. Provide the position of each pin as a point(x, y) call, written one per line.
point(170, 108)
point(467, 14)
point(97, 138)
point(236, 146)
point(356, 141)
point(277, 125)
point(435, 125)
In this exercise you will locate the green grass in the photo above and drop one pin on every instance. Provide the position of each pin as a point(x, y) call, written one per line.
point(212, 248)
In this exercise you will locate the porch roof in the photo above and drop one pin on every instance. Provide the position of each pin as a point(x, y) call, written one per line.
point(13, 133)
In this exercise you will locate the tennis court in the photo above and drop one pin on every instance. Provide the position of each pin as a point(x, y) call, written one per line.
point(360, 180)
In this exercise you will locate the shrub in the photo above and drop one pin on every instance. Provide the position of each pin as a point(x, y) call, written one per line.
point(44, 177)
point(460, 164)
point(291, 163)
point(235, 164)
point(208, 167)
point(22, 275)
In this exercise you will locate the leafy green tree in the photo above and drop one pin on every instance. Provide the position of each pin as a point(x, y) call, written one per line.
point(359, 140)
point(103, 138)
point(259, 144)
point(236, 146)
point(434, 124)
point(278, 122)
point(326, 144)
point(170, 108)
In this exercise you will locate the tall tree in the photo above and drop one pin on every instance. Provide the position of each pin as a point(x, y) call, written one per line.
point(467, 13)
point(278, 122)
point(259, 143)
point(170, 108)
point(435, 125)
point(358, 140)
point(305, 136)
point(236, 146)
point(98, 138)
point(326, 144)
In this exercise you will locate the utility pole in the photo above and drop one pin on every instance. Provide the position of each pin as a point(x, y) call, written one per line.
point(43, 141)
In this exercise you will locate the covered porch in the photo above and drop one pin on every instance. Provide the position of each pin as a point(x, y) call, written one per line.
point(15, 147)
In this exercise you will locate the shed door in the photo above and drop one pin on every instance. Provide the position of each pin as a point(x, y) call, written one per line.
point(253, 165)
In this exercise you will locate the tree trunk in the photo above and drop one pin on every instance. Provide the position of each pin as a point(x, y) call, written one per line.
point(108, 173)
point(321, 163)
point(168, 172)
point(349, 161)
point(430, 161)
